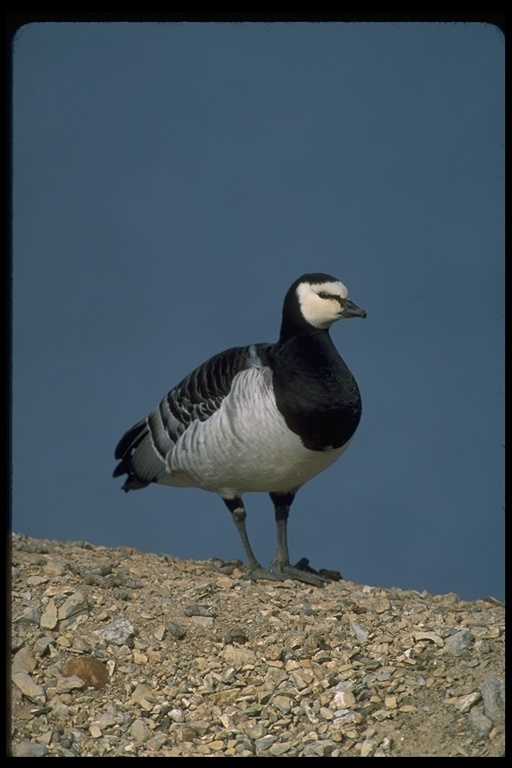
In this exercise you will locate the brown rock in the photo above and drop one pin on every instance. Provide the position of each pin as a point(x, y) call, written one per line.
point(91, 671)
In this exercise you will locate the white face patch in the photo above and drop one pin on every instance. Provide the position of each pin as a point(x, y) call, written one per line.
point(319, 302)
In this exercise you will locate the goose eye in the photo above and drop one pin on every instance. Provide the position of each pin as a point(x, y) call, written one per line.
point(324, 295)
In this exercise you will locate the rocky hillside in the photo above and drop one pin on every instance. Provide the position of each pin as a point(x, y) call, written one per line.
point(120, 653)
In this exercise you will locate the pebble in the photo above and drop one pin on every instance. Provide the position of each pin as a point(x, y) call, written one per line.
point(481, 724)
point(24, 661)
point(91, 671)
point(71, 683)
point(49, 619)
point(74, 604)
point(493, 694)
point(118, 632)
point(28, 686)
point(459, 642)
point(139, 730)
point(30, 749)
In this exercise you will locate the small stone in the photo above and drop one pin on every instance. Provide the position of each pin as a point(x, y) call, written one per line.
point(107, 720)
point(493, 694)
point(35, 581)
point(254, 730)
point(368, 748)
point(263, 745)
point(216, 745)
point(236, 636)
point(199, 609)
point(359, 631)
point(54, 569)
point(143, 696)
point(68, 684)
point(43, 645)
point(60, 711)
point(202, 621)
point(282, 703)
point(91, 671)
point(76, 603)
point(175, 630)
point(433, 636)
point(23, 661)
point(118, 632)
point(29, 749)
point(139, 730)
point(49, 618)
point(30, 616)
point(464, 703)
point(459, 642)
point(188, 733)
point(45, 738)
point(479, 722)
point(95, 731)
point(343, 700)
point(280, 748)
point(238, 656)
point(320, 748)
point(28, 686)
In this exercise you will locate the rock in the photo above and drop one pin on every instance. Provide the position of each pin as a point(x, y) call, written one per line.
point(263, 745)
point(143, 696)
point(91, 671)
point(493, 694)
point(139, 730)
point(42, 645)
point(320, 748)
point(49, 619)
point(68, 684)
point(368, 748)
point(479, 722)
point(23, 661)
point(359, 631)
point(175, 630)
point(118, 632)
point(30, 616)
point(343, 700)
point(433, 636)
point(76, 603)
point(176, 715)
point(236, 635)
point(199, 609)
point(28, 686)
point(464, 703)
point(238, 656)
point(206, 622)
point(30, 749)
point(459, 642)
point(107, 720)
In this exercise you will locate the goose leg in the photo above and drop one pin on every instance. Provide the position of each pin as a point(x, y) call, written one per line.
point(254, 570)
point(281, 563)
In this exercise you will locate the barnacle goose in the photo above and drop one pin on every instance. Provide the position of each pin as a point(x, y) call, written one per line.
point(266, 417)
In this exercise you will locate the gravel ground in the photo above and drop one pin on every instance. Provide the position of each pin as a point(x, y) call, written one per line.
point(120, 653)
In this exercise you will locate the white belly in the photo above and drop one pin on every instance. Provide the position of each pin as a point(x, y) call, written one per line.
point(245, 445)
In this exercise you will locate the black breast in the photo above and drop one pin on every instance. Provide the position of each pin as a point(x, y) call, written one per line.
point(315, 391)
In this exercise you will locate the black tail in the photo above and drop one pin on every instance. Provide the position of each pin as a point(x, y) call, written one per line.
point(124, 452)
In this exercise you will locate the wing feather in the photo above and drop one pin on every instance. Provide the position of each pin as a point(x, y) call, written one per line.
point(142, 451)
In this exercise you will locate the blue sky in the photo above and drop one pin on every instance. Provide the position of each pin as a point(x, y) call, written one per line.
point(170, 181)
